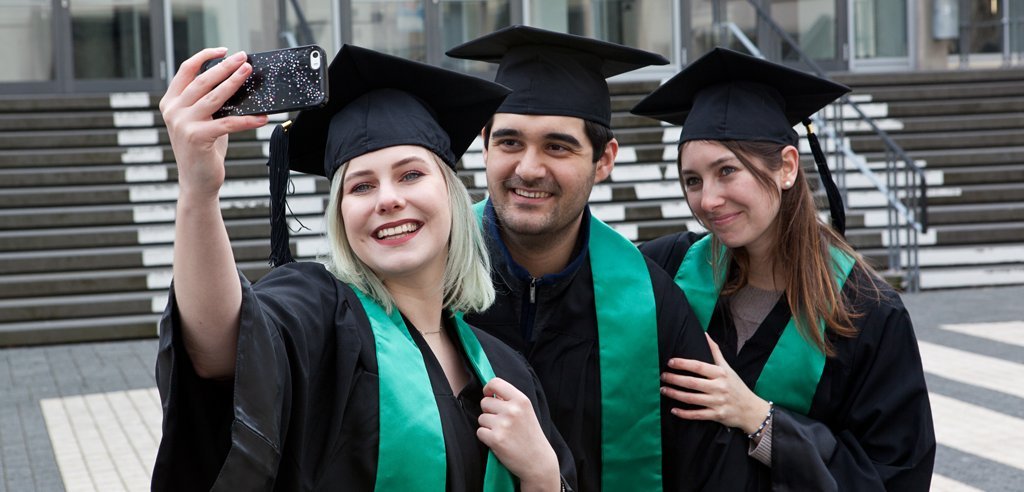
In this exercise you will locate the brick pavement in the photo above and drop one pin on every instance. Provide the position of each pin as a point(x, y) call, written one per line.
point(86, 417)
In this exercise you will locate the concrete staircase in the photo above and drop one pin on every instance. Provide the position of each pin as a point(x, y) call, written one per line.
point(88, 187)
point(87, 191)
point(967, 130)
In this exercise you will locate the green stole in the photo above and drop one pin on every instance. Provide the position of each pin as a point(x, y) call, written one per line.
point(411, 453)
point(628, 353)
point(790, 376)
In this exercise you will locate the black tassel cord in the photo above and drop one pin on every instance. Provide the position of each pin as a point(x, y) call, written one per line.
point(280, 252)
point(835, 200)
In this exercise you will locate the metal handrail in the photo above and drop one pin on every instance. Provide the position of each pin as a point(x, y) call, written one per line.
point(914, 213)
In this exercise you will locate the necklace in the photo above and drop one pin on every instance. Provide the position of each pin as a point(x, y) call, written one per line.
point(435, 332)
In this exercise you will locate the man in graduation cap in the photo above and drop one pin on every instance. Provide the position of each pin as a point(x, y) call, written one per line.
point(839, 403)
point(358, 374)
point(595, 319)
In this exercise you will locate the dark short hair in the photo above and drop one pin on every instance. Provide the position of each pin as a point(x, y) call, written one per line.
point(598, 134)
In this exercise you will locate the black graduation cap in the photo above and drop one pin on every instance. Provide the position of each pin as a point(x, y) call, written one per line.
point(726, 95)
point(376, 101)
point(553, 73)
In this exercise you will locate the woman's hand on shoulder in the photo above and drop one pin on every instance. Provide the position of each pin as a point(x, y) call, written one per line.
point(509, 426)
point(199, 141)
point(721, 392)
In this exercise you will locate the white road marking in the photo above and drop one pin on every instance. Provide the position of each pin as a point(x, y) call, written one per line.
point(977, 430)
point(973, 369)
point(945, 484)
point(1010, 332)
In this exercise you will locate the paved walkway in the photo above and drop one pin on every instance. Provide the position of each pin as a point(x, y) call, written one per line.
point(86, 417)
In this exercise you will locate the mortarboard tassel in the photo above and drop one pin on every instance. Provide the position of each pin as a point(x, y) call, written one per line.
point(835, 201)
point(280, 252)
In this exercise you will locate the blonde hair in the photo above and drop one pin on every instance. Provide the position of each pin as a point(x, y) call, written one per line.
point(467, 279)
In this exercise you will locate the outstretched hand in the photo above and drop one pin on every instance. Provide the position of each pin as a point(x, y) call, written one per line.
point(725, 398)
point(200, 141)
point(509, 426)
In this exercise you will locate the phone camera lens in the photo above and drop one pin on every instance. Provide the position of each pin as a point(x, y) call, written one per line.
point(316, 54)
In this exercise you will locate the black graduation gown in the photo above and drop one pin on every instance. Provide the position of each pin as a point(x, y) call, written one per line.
point(870, 423)
point(558, 335)
point(302, 412)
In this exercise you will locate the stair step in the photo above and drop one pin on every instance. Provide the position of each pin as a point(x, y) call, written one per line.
point(154, 154)
point(102, 281)
point(79, 330)
point(59, 103)
point(957, 140)
point(82, 306)
point(142, 193)
point(983, 174)
point(956, 157)
point(869, 81)
point(954, 107)
point(78, 120)
point(142, 214)
point(963, 234)
point(973, 213)
point(980, 276)
point(105, 137)
point(82, 138)
point(949, 123)
point(987, 193)
point(117, 173)
point(70, 260)
point(115, 236)
point(946, 91)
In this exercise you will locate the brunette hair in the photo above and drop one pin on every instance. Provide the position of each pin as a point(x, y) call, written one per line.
point(800, 249)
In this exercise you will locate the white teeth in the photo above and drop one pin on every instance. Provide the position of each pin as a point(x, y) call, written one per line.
point(397, 231)
point(531, 194)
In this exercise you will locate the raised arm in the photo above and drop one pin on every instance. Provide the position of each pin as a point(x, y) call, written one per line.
point(206, 284)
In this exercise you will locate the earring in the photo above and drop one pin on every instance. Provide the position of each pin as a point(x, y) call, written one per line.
point(787, 184)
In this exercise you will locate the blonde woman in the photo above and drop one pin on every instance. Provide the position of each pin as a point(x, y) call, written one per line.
point(360, 375)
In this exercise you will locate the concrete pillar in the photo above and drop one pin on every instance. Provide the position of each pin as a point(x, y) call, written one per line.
point(931, 54)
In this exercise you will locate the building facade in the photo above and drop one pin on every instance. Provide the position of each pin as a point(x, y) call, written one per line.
point(82, 46)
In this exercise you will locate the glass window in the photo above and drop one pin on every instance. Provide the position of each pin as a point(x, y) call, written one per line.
point(880, 29)
point(111, 40)
point(812, 23)
point(1016, 18)
point(705, 34)
point(985, 34)
point(27, 24)
point(644, 24)
point(390, 26)
point(463, 20)
point(249, 25)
